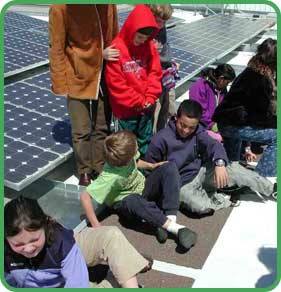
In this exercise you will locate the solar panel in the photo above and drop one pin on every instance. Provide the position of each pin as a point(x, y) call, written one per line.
point(122, 16)
point(24, 163)
point(26, 43)
point(35, 123)
point(198, 44)
point(19, 19)
point(26, 46)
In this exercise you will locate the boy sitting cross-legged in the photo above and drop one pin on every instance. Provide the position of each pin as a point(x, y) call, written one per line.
point(124, 188)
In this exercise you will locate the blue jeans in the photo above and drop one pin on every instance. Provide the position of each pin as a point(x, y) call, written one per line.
point(232, 140)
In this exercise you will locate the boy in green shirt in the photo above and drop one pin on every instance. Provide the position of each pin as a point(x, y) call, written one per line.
point(123, 187)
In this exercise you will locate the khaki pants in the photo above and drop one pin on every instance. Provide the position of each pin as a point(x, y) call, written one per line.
point(107, 244)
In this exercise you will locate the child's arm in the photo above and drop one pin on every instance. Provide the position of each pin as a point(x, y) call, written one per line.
point(147, 165)
point(87, 204)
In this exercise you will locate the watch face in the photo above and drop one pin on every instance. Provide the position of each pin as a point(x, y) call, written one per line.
point(220, 162)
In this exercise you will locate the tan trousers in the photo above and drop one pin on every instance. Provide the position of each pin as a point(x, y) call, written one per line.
point(107, 244)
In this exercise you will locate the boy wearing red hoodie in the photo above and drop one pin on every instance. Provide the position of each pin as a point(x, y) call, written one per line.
point(134, 81)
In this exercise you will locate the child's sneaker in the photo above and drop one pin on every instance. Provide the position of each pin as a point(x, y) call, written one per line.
point(187, 238)
point(161, 234)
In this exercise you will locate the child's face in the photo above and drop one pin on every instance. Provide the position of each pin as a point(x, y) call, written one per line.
point(186, 126)
point(28, 243)
point(140, 38)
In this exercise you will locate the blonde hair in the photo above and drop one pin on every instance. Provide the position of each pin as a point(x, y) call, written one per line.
point(120, 148)
point(163, 11)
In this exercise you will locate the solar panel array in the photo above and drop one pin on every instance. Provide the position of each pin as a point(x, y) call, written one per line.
point(37, 134)
point(26, 43)
point(197, 44)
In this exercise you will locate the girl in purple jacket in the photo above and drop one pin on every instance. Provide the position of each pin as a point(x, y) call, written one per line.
point(209, 90)
point(41, 253)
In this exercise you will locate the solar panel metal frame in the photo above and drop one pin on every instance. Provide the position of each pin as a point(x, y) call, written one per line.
point(54, 163)
point(219, 56)
point(38, 174)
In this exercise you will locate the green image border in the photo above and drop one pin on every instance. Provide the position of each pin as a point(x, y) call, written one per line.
point(25, 2)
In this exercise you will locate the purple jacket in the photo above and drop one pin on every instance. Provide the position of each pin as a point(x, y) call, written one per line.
point(204, 91)
point(189, 153)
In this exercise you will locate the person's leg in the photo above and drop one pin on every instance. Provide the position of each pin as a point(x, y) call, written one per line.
point(267, 165)
point(137, 207)
point(144, 132)
point(172, 103)
point(164, 110)
point(156, 115)
point(128, 124)
point(196, 198)
point(231, 141)
point(108, 244)
point(162, 186)
point(101, 129)
point(79, 113)
point(240, 176)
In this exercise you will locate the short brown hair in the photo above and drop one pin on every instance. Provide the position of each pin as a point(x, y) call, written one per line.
point(120, 148)
point(163, 11)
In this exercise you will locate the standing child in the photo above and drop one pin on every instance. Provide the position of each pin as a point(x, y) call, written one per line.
point(165, 107)
point(134, 81)
point(40, 253)
point(123, 187)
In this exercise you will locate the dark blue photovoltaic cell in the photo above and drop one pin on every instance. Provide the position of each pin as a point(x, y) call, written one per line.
point(41, 80)
point(10, 67)
point(11, 29)
point(14, 17)
point(37, 99)
point(19, 58)
point(26, 46)
point(31, 36)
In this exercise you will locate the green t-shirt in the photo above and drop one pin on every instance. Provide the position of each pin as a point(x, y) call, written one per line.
point(116, 182)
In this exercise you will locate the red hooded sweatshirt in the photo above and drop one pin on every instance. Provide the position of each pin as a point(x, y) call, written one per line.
point(135, 79)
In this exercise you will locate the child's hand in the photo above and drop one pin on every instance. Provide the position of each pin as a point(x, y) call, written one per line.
point(249, 155)
point(157, 164)
point(96, 224)
point(147, 105)
point(110, 53)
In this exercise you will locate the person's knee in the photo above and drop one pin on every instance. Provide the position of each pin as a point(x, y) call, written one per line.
point(112, 233)
point(170, 168)
point(131, 201)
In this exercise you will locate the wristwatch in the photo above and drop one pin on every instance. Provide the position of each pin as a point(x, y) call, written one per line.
point(219, 162)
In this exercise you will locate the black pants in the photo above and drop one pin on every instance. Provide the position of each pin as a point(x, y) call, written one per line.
point(160, 197)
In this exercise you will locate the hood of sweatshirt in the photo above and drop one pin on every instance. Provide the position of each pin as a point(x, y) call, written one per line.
point(140, 17)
